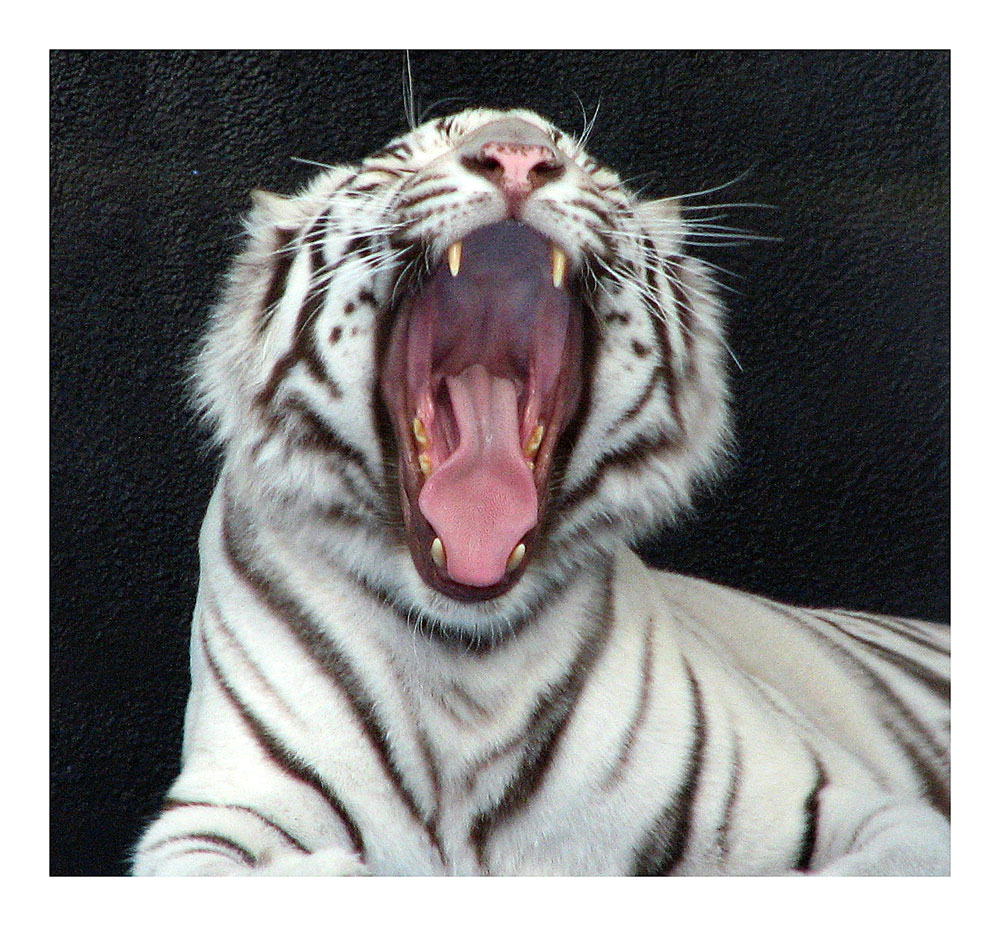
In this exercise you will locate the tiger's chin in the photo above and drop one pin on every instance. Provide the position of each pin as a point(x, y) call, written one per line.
point(481, 374)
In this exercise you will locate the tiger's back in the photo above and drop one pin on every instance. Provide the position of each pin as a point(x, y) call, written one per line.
point(450, 384)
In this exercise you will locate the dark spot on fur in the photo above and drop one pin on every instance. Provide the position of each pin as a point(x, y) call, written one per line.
point(335, 334)
point(640, 349)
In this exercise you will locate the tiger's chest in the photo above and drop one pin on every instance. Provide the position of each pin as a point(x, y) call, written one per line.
point(604, 765)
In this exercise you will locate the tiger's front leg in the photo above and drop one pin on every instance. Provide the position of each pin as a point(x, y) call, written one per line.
point(202, 839)
point(881, 834)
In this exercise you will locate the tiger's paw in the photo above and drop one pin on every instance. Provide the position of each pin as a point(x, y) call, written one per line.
point(327, 863)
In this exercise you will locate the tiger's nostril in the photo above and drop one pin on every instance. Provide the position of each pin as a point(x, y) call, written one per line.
point(517, 169)
point(515, 155)
point(520, 167)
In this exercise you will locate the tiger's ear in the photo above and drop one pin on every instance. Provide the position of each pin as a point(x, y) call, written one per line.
point(269, 204)
point(660, 211)
point(272, 210)
point(663, 220)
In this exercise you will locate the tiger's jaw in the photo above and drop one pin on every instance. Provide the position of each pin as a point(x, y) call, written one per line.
point(481, 373)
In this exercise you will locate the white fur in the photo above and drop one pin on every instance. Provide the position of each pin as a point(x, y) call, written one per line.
point(613, 718)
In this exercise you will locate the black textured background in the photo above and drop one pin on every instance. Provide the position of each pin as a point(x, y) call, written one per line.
point(839, 494)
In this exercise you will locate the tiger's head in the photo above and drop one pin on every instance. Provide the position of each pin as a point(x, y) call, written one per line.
point(465, 367)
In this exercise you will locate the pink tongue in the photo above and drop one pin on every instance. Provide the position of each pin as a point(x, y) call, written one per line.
point(481, 500)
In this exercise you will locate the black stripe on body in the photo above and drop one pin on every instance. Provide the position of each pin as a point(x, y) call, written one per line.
point(735, 780)
point(170, 805)
point(216, 840)
point(666, 842)
point(287, 761)
point(807, 844)
point(639, 716)
point(899, 629)
point(938, 684)
point(936, 789)
point(280, 602)
point(548, 722)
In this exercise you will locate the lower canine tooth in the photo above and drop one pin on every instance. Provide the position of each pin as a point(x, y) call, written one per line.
point(437, 553)
point(534, 442)
point(558, 267)
point(419, 431)
point(426, 467)
point(455, 257)
point(515, 557)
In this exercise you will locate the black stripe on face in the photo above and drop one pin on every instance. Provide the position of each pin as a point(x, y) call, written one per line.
point(315, 434)
point(304, 323)
point(807, 843)
point(279, 276)
point(664, 845)
point(400, 150)
point(278, 600)
point(292, 766)
point(548, 721)
point(409, 201)
point(685, 313)
point(655, 313)
point(630, 457)
point(636, 407)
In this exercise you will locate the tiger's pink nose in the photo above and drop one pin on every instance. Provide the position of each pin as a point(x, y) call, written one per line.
point(522, 167)
point(515, 155)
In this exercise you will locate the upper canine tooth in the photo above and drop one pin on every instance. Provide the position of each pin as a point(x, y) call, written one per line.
point(455, 257)
point(558, 267)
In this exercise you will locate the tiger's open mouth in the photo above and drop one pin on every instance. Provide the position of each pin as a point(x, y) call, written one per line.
point(481, 374)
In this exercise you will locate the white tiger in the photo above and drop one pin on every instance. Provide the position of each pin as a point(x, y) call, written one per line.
point(452, 384)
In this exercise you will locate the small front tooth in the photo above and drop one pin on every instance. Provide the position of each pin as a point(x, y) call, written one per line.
point(455, 257)
point(515, 557)
point(534, 442)
point(558, 267)
point(419, 431)
point(426, 467)
point(437, 553)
